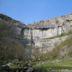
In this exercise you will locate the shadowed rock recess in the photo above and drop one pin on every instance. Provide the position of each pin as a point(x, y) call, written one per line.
point(40, 41)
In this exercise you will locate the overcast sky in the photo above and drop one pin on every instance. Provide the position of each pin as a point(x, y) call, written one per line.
point(29, 11)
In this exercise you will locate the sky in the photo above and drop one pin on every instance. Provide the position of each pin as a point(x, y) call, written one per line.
point(29, 11)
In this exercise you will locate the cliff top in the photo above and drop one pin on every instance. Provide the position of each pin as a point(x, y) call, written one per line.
point(41, 24)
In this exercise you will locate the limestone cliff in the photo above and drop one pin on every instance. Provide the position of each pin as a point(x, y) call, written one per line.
point(40, 37)
point(46, 34)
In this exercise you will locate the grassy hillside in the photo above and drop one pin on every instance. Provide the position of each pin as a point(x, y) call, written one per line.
point(59, 58)
point(63, 50)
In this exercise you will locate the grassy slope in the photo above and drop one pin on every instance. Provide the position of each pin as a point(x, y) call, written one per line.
point(54, 55)
point(67, 44)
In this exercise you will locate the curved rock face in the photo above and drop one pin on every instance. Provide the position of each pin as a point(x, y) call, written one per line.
point(46, 38)
point(44, 35)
